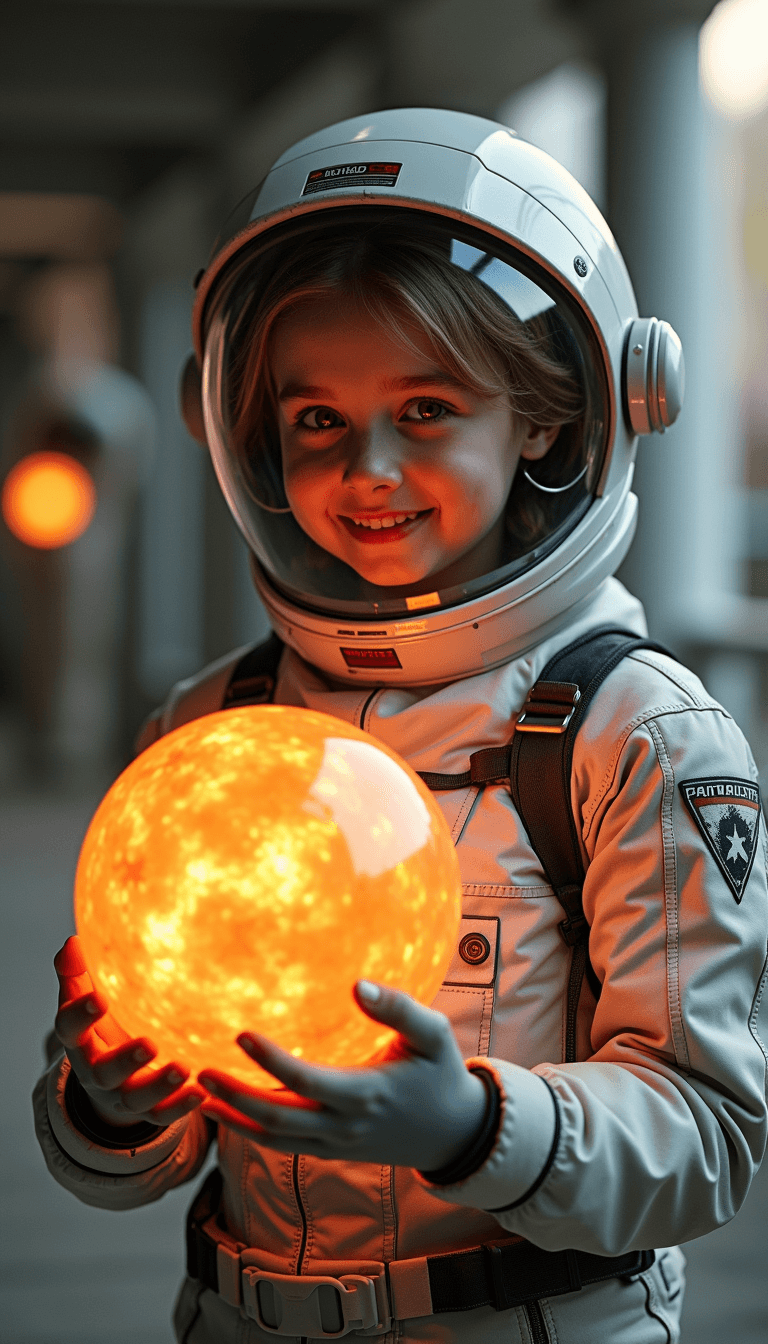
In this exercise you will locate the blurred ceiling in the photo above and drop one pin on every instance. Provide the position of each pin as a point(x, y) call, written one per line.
point(161, 113)
point(103, 96)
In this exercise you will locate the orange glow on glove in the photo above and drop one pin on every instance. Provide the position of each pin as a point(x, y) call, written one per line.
point(246, 870)
point(48, 500)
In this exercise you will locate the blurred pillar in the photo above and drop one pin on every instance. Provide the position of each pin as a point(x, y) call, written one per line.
point(670, 211)
point(675, 184)
point(172, 537)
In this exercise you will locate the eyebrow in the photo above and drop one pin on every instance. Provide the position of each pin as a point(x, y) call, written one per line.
point(294, 391)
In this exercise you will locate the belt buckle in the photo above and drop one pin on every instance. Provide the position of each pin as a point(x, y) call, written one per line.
point(311, 1306)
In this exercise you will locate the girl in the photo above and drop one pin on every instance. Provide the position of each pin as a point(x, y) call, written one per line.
point(422, 378)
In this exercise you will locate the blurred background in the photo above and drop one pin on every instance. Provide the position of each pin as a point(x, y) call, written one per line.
point(128, 129)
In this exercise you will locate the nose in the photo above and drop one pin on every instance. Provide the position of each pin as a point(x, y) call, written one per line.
point(374, 461)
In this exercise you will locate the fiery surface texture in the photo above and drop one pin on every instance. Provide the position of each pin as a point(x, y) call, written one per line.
point(246, 869)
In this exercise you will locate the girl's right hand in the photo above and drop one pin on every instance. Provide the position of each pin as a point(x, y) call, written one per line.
point(111, 1067)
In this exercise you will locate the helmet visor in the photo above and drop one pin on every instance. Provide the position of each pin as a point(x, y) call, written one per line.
point(494, 323)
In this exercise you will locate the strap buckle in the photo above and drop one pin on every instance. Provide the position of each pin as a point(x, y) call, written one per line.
point(249, 691)
point(549, 707)
point(574, 929)
point(313, 1306)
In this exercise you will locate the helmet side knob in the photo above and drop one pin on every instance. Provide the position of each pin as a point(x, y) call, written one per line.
point(653, 376)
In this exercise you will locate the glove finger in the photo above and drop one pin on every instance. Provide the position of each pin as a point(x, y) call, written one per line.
point(113, 1068)
point(276, 1118)
point(426, 1031)
point(179, 1104)
point(76, 1018)
point(70, 959)
point(317, 1084)
point(72, 971)
point(145, 1091)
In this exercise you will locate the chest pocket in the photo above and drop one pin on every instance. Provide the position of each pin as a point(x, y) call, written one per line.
point(466, 996)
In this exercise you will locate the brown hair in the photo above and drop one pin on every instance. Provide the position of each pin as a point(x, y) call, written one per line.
point(400, 271)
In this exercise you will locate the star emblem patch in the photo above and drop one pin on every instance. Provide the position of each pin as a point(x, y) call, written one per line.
point(727, 812)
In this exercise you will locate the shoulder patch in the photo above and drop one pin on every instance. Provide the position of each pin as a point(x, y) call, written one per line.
point(727, 812)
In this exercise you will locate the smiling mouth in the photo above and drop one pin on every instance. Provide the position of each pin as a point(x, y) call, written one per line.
point(383, 527)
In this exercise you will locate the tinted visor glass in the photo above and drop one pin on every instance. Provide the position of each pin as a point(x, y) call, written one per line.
point(489, 322)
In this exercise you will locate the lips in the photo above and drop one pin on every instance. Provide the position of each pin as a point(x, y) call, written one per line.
point(383, 527)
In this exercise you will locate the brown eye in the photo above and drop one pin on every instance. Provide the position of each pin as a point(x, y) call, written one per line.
point(429, 410)
point(320, 417)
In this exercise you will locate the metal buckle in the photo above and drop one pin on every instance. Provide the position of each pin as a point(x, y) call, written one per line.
point(310, 1306)
point(549, 713)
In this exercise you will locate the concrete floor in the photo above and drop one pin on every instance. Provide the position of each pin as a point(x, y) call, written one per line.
point(76, 1275)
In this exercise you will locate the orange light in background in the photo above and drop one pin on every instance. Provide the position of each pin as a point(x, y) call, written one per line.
point(246, 870)
point(48, 500)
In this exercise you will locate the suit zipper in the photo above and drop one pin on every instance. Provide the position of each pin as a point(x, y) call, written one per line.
point(536, 1323)
point(366, 707)
point(302, 1215)
point(302, 1212)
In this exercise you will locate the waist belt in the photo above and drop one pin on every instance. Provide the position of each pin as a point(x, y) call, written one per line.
point(367, 1296)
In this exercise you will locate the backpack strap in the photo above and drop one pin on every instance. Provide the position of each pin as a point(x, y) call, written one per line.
point(230, 681)
point(541, 761)
point(537, 764)
point(253, 678)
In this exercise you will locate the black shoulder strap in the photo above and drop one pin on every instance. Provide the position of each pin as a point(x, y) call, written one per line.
point(542, 754)
point(537, 763)
point(253, 677)
point(540, 766)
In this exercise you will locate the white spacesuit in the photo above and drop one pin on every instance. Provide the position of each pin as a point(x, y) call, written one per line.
point(652, 1134)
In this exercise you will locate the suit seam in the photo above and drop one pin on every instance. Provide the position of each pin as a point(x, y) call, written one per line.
point(486, 1021)
point(546, 1311)
point(756, 1002)
point(387, 1215)
point(589, 811)
point(653, 1305)
point(464, 813)
point(523, 1326)
point(646, 656)
point(674, 1001)
point(246, 1222)
point(506, 892)
point(393, 1206)
point(196, 1316)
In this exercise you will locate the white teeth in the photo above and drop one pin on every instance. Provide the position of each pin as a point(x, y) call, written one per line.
point(376, 524)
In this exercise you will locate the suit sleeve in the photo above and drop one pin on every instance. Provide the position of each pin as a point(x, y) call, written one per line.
point(126, 1178)
point(113, 1178)
point(654, 1135)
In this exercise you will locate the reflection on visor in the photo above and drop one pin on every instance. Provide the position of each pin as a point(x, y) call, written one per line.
point(522, 340)
point(519, 293)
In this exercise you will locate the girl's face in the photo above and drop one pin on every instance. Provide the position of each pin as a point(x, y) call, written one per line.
point(389, 462)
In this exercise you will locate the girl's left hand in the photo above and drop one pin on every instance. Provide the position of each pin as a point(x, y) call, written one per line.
point(420, 1108)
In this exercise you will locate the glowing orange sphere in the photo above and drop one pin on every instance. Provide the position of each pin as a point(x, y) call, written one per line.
point(48, 500)
point(246, 870)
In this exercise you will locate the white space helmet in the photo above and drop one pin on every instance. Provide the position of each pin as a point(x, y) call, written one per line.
point(504, 228)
